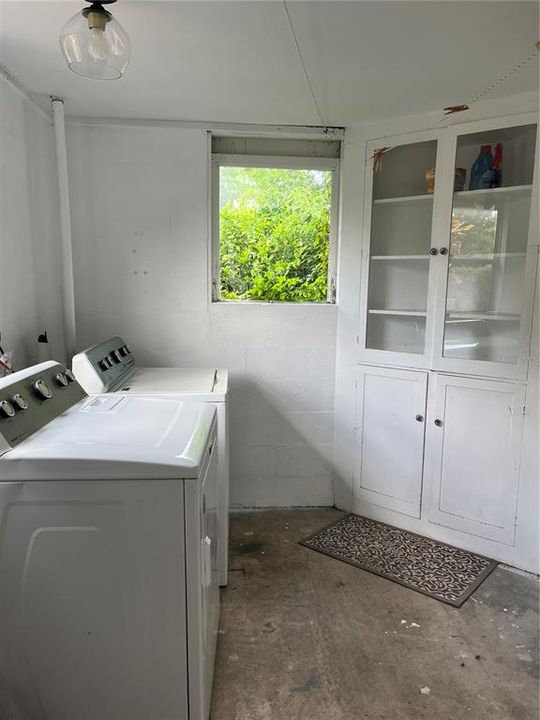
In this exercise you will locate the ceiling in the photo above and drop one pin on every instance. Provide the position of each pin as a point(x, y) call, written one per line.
point(236, 61)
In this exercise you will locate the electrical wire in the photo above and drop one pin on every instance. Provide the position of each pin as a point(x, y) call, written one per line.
point(306, 74)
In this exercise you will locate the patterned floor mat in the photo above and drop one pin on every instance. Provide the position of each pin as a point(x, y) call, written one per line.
point(430, 567)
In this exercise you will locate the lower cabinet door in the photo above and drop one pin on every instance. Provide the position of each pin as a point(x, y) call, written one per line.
point(390, 410)
point(473, 447)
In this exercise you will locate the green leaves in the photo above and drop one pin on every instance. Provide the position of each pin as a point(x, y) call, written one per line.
point(274, 234)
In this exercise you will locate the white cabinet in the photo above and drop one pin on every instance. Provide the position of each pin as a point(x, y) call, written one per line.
point(390, 437)
point(454, 463)
point(448, 268)
point(473, 442)
point(448, 275)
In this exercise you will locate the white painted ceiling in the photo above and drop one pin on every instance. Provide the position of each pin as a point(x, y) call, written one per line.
point(236, 61)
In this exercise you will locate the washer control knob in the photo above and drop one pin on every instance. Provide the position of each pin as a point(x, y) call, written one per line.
point(7, 409)
point(61, 379)
point(42, 389)
point(70, 376)
point(112, 359)
point(118, 355)
point(20, 401)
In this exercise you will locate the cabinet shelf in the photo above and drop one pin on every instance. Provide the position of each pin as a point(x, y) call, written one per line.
point(486, 257)
point(510, 190)
point(404, 313)
point(403, 199)
point(400, 257)
point(465, 317)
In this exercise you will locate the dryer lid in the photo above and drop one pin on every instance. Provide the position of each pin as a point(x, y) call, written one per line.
point(117, 437)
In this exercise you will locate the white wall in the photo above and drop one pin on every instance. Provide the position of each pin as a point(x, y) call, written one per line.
point(139, 205)
point(353, 164)
point(30, 298)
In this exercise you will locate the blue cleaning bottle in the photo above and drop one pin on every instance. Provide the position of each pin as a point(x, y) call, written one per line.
point(481, 171)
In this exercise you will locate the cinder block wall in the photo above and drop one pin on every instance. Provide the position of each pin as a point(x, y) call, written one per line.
point(139, 203)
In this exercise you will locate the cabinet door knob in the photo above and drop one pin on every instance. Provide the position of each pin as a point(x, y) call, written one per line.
point(433, 251)
point(444, 251)
point(420, 418)
point(439, 423)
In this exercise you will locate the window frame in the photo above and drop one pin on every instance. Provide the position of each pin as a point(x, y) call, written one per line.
point(273, 162)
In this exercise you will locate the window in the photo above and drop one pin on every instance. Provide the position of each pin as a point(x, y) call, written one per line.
point(274, 220)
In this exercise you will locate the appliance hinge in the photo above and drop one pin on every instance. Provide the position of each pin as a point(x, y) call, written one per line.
point(523, 409)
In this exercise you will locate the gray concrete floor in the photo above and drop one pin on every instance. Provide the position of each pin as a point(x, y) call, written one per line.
point(306, 637)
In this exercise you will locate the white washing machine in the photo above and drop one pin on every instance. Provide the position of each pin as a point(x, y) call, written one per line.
point(110, 366)
point(109, 588)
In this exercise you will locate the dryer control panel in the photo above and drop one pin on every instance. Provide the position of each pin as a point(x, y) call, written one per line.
point(31, 398)
point(105, 366)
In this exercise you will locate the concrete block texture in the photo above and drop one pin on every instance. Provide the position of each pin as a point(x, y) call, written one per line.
point(142, 271)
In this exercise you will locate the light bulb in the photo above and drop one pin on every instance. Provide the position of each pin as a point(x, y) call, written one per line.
point(94, 43)
point(98, 48)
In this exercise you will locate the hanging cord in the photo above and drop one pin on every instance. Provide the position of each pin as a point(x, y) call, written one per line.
point(306, 74)
point(508, 74)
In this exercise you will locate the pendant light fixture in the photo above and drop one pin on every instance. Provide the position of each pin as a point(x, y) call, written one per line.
point(95, 44)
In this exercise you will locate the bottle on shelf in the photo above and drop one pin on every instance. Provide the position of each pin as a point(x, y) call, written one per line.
point(460, 176)
point(430, 180)
point(496, 179)
point(482, 170)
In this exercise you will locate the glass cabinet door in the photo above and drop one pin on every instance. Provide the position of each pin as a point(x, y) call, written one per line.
point(488, 244)
point(400, 248)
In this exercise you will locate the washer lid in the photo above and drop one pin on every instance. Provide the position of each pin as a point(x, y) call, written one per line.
point(116, 437)
point(170, 380)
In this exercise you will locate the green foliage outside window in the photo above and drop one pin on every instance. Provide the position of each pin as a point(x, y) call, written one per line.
point(274, 230)
point(474, 232)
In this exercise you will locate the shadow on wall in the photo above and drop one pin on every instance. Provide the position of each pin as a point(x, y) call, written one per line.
point(281, 434)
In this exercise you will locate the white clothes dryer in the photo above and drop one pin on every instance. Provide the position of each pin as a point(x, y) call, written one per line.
point(109, 588)
point(109, 366)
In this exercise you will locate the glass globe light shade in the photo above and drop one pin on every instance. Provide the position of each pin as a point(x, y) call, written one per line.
point(95, 44)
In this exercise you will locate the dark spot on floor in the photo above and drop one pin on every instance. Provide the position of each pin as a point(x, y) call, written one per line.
point(310, 684)
point(251, 546)
point(308, 651)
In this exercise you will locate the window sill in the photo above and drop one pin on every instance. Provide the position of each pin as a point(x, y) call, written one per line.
point(269, 303)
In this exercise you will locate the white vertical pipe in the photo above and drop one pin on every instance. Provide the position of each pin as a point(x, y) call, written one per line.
point(68, 290)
